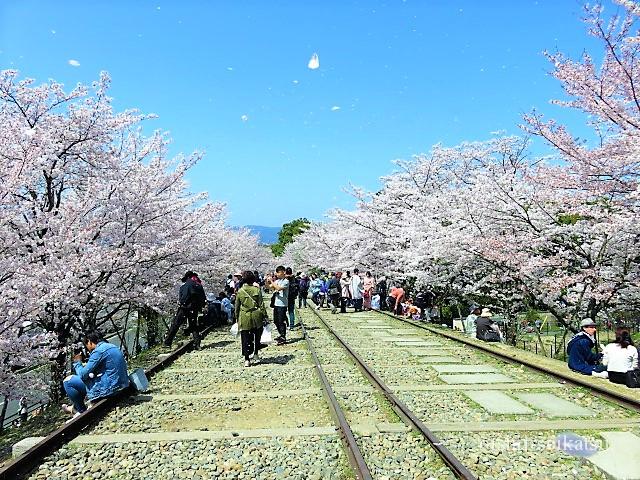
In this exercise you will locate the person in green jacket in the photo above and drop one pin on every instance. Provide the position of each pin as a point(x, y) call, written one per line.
point(250, 314)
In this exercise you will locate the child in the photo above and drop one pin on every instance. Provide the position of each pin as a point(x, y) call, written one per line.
point(227, 307)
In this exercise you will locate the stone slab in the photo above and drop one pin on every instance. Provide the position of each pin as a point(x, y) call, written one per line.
point(498, 402)
point(438, 359)
point(23, 445)
point(393, 427)
point(476, 378)
point(373, 327)
point(481, 386)
point(416, 343)
point(554, 406)
point(534, 425)
point(424, 352)
point(464, 369)
point(201, 435)
point(621, 459)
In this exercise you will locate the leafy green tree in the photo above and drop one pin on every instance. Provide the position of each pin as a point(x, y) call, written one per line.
point(287, 232)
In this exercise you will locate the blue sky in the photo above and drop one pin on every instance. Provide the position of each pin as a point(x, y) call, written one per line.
point(281, 140)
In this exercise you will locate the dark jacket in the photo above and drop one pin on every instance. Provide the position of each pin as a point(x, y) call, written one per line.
point(483, 325)
point(334, 283)
point(581, 358)
point(294, 288)
point(192, 296)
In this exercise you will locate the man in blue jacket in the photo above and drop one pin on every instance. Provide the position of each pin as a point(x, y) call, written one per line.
point(104, 374)
point(581, 358)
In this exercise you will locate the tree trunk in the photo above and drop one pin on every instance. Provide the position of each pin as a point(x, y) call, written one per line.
point(3, 412)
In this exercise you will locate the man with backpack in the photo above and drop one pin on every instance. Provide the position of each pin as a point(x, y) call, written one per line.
point(191, 300)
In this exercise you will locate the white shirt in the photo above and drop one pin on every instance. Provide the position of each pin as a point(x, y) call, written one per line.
point(618, 359)
point(356, 287)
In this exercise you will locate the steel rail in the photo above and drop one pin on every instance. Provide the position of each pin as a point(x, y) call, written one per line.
point(624, 400)
point(458, 468)
point(356, 459)
point(23, 465)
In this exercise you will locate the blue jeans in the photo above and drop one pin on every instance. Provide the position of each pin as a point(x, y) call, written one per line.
point(292, 314)
point(76, 391)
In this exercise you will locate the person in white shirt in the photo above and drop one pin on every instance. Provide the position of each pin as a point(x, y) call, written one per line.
point(620, 357)
point(357, 290)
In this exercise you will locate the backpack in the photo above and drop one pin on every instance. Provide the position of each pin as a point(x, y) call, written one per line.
point(294, 287)
point(304, 285)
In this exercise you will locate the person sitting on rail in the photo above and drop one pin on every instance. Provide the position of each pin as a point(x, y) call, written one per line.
point(581, 358)
point(104, 374)
point(470, 321)
point(486, 328)
point(620, 357)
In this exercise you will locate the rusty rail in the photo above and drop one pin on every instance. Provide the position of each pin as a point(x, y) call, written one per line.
point(356, 459)
point(629, 401)
point(27, 462)
point(457, 467)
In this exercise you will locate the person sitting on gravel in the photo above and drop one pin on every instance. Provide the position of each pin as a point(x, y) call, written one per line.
point(581, 358)
point(104, 374)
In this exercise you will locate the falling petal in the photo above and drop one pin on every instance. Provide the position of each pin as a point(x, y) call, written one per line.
point(74, 63)
point(335, 108)
point(314, 62)
point(244, 118)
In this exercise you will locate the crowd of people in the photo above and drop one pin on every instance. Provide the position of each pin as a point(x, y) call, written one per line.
point(100, 370)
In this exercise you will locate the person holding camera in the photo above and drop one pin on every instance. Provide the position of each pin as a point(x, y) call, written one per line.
point(104, 374)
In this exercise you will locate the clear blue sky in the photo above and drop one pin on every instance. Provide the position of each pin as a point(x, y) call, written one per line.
point(231, 78)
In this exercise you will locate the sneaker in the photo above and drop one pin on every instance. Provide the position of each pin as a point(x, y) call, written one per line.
point(75, 415)
point(600, 374)
point(318, 307)
point(281, 341)
point(247, 363)
point(256, 357)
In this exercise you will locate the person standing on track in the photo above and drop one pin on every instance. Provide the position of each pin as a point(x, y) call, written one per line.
point(304, 291)
point(356, 289)
point(345, 292)
point(368, 285)
point(294, 289)
point(191, 300)
point(250, 314)
point(280, 302)
point(333, 291)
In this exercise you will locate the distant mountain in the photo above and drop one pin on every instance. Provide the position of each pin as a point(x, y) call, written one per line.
point(267, 235)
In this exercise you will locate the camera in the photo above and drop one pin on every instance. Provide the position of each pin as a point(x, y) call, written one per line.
point(80, 349)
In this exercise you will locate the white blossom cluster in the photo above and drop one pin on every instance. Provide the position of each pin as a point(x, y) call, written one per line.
point(94, 220)
point(489, 219)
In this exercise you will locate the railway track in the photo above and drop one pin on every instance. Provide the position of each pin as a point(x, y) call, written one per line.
point(361, 395)
point(499, 417)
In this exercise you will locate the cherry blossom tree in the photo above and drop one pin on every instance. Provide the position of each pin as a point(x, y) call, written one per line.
point(95, 220)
